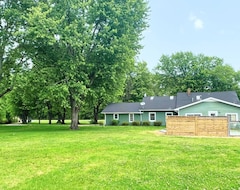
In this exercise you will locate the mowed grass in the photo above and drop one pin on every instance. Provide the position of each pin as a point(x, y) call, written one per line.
point(53, 157)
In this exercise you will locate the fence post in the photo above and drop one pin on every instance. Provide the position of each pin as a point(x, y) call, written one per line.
point(196, 125)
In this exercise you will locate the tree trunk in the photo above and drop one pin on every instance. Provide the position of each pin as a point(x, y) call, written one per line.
point(59, 118)
point(5, 92)
point(49, 106)
point(95, 114)
point(63, 115)
point(24, 116)
point(74, 114)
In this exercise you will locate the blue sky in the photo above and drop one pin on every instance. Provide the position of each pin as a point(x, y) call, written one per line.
point(210, 27)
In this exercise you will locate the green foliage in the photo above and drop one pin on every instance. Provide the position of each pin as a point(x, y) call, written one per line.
point(101, 123)
point(183, 70)
point(135, 123)
point(13, 59)
point(146, 123)
point(114, 122)
point(157, 123)
point(89, 44)
point(139, 82)
point(125, 123)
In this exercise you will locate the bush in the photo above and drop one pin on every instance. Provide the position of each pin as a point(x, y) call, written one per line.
point(146, 123)
point(157, 123)
point(101, 123)
point(125, 123)
point(115, 122)
point(135, 123)
point(92, 122)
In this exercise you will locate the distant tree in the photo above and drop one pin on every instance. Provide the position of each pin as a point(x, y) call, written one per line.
point(83, 40)
point(139, 82)
point(183, 70)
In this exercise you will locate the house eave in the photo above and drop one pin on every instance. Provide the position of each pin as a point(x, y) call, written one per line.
point(120, 112)
point(210, 99)
point(160, 110)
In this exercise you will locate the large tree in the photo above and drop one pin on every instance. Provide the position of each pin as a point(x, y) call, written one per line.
point(84, 41)
point(140, 82)
point(13, 59)
point(183, 70)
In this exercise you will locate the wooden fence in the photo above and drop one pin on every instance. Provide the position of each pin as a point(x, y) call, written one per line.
point(197, 126)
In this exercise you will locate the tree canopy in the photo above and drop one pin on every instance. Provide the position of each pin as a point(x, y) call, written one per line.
point(85, 44)
point(183, 70)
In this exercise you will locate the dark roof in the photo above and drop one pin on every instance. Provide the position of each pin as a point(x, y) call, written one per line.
point(165, 103)
point(159, 103)
point(184, 99)
point(122, 108)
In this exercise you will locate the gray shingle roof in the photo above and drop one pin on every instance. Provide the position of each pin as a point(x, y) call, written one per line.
point(184, 99)
point(159, 103)
point(169, 103)
point(122, 108)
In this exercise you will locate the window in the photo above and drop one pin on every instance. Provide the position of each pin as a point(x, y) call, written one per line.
point(131, 117)
point(168, 113)
point(115, 116)
point(193, 114)
point(213, 113)
point(152, 116)
point(232, 116)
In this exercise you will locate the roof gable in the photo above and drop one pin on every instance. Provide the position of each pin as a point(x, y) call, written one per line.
point(184, 99)
point(208, 100)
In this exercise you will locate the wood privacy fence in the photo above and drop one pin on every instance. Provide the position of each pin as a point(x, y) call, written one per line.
point(197, 126)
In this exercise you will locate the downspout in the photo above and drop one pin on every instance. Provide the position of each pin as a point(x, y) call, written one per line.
point(105, 120)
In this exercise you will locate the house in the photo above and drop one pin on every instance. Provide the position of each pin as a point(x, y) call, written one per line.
point(156, 108)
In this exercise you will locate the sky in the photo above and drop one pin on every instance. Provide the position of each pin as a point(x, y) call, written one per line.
point(209, 27)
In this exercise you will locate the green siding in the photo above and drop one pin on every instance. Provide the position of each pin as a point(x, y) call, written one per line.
point(109, 118)
point(122, 118)
point(204, 107)
point(160, 116)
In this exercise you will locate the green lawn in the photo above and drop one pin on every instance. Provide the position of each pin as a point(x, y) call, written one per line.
point(53, 157)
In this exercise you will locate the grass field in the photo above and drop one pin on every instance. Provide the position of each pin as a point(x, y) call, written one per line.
point(53, 157)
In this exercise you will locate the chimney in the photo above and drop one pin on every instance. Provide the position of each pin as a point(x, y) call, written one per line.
point(188, 91)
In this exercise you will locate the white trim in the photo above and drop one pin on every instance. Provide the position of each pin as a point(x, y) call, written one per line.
point(120, 112)
point(193, 114)
point(210, 99)
point(149, 116)
point(105, 119)
point(116, 118)
point(226, 114)
point(212, 112)
point(155, 110)
point(130, 117)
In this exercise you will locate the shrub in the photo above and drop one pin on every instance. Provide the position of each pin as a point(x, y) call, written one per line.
point(101, 123)
point(125, 123)
point(135, 123)
point(146, 123)
point(115, 122)
point(157, 123)
point(92, 122)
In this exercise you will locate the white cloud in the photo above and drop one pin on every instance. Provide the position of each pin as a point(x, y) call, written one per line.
point(197, 22)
